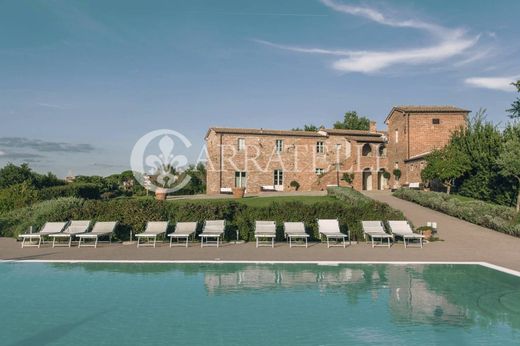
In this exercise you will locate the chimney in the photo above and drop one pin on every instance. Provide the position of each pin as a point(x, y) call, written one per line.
point(372, 127)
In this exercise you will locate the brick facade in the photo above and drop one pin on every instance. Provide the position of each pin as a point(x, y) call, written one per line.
point(250, 156)
point(414, 131)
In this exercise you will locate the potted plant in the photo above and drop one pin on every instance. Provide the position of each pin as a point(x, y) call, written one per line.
point(238, 192)
point(160, 194)
point(348, 178)
point(294, 184)
point(387, 176)
point(426, 231)
point(397, 176)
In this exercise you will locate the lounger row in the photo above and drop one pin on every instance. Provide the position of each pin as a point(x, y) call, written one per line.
point(375, 232)
point(213, 230)
point(294, 232)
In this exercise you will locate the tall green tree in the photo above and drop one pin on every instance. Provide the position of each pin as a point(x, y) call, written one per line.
point(352, 121)
point(445, 165)
point(11, 175)
point(514, 111)
point(481, 141)
point(307, 127)
point(509, 162)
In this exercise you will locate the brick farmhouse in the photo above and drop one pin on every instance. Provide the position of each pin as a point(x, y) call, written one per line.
point(269, 160)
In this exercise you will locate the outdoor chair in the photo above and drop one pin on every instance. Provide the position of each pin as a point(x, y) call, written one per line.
point(295, 230)
point(183, 230)
point(100, 229)
point(265, 230)
point(329, 228)
point(74, 228)
point(403, 230)
point(47, 229)
point(153, 229)
point(213, 229)
point(374, 230)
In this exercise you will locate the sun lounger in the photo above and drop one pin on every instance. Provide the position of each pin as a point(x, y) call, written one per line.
point(295, 230)
point(183, 230)
point(402, 229)
point(100, 229)
point(47, 229)
point(213, 229)
point(74, 228)
point(330, 229)
point(374, 230)
point(265, 230)
point(153, 229)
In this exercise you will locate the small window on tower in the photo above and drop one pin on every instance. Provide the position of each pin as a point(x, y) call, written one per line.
point(436, 121)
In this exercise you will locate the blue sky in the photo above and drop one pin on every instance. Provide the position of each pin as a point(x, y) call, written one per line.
point(82, 81)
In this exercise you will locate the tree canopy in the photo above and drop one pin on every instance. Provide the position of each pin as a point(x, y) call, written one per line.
point(307, 127)
point(514, 111)
point(509, 163)
point(446, 165)
point(352, 121)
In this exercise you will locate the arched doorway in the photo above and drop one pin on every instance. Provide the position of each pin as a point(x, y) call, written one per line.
point(382, 182)
point(367, 179)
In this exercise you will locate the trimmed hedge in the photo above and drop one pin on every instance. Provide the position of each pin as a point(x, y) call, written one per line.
point(134, 213)
point(497, 217)
point(79, 190)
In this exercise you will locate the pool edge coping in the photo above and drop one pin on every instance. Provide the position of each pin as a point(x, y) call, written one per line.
point(324, 263)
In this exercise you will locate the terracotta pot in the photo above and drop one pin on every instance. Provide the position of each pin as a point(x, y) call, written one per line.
point(160, 194)
point(427, 233)
point(238, 192)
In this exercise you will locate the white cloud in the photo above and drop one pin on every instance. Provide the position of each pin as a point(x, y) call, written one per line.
point(494, 83)
point(2, 153)
point(450, 43)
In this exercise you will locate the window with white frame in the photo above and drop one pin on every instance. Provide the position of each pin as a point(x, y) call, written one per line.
point(240, 179)
point(279, 145)
point(320, 171)
point(320, 147)
point(278, 177)
point(241, 144)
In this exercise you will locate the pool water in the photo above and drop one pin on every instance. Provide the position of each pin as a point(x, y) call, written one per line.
point(243, 304)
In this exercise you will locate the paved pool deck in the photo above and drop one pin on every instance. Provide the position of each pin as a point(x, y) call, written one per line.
point(462, 242)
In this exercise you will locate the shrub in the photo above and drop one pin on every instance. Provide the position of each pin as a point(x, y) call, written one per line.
point(133, 214)
point(17, 196)
point(19, 220)
point(79, 190)
point(497, 217)
point(295, 184)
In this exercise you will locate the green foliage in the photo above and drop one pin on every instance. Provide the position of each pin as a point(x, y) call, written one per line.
point(295, 185)
point(352, 121)
point(481, 142)
point(446, 165)
point(497, 217)
point(514, 111)
point(386, 175)
point(11, 175)
point(19, 220)
point(309, 127)
point(132, 214)
point(348, 177)
point(17, 196)
point(509, 163)
point(80, 190)
point(397, 173)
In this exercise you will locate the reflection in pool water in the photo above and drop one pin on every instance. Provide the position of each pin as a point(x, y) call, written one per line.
point(237, 304)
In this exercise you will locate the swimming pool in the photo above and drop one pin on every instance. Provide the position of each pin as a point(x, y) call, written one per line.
point(247, 304)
